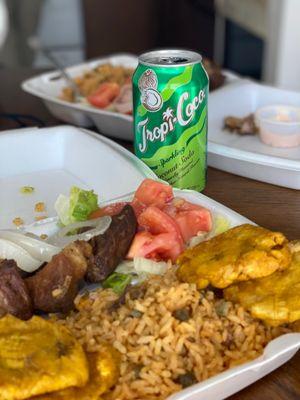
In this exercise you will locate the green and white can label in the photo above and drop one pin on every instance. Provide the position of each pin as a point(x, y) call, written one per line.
point(170, 122)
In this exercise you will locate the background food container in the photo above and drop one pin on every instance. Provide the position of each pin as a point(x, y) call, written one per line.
point(247, 155)
point(48, 87)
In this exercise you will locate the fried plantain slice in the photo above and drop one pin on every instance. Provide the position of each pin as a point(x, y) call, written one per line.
point(104, 372)
point(274, 299)
point(38, 356)
point(239, 254)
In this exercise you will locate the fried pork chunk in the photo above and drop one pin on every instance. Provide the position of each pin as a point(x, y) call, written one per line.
point(38, 356)
point(14, 295)
point(274, 299)
point(242, 126)
point(111, 248)
point(55, 286)
point(239, 254)
point(104, 372)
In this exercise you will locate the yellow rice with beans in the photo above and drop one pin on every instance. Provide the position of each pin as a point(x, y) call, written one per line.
point(170, 335)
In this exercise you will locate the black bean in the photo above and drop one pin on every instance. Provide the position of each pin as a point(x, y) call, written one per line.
point(222, 308)
point(137, 370)
point(136, 314)
point(191, 339)
point(187, 379)
point(182, 314)
point(137, 292)
point(121, 300)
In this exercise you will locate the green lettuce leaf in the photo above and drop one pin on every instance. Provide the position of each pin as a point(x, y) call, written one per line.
point(76, 207)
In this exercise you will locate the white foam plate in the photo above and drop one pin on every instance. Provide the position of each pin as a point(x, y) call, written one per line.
point(53, 159)
point(247, 155)
point(48, 87)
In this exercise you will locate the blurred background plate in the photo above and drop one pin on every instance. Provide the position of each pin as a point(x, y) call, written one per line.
point(48, 87)
point(247, 155)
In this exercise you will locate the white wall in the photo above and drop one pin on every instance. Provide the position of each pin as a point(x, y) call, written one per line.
point(282, 57)
point(277, 22)
point(61, 29)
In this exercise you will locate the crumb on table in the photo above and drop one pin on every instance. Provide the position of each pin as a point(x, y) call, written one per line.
point(40, 207)
point(18, 221)
point(27, 189)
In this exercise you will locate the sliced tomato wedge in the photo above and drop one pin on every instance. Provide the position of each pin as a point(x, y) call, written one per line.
point(157, 221)
point(161, 239)
point(138, 207)
point(164, 246)
point(190, 218)
point(153, 193)
point(104, 95)
point(111, 209)
point(137, 246)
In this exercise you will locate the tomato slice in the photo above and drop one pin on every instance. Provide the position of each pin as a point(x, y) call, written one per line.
point(111, 209)
point(138, 207)
point(137, 246)
point(190, 218)
point(153, 193)
point(104, 95)
point(157, 221)
point(161, 239)
point(164, 246)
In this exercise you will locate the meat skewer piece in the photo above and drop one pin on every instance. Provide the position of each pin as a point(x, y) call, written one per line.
point(14, 295)
point(54, 287)
point(111, 248)
point(242, 126)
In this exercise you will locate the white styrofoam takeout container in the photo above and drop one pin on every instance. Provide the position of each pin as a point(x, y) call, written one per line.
point(53, 159)
point(247, 155)
point(48, 87)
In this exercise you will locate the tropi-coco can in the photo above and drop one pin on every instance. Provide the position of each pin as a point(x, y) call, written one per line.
point(170, 89)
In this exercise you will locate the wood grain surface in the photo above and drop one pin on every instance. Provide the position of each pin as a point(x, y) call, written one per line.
point(271, 206)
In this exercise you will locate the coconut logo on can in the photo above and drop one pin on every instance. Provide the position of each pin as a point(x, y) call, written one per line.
point(170, 91)
point(150, 97)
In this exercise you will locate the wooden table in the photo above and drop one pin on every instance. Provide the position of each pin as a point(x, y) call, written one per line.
point(270, 206)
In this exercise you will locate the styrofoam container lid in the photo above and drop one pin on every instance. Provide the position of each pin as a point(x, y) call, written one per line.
point(54, 159)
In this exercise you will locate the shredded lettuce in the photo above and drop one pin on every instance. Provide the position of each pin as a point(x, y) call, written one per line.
point(117, 282)
point(221, 224)
point(62, 206)
point(82, 203)
point(76, 207)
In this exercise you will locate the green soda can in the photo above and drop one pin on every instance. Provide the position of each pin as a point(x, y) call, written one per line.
point(170, 90)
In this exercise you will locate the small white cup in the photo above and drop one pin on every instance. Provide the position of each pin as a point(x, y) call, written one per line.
point(279, 125)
